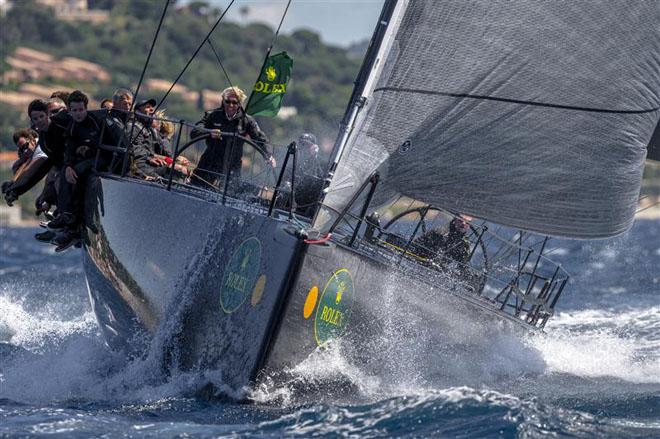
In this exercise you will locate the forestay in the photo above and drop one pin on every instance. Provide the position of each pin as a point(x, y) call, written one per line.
point(531, 114)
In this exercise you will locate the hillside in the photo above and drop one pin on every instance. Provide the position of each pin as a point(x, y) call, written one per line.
point(318, 92)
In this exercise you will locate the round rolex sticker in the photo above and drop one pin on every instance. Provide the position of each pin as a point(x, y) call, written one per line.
point(240, 275)
point(333, 310)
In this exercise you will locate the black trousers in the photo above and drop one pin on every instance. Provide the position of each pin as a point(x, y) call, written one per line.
point(70, 196)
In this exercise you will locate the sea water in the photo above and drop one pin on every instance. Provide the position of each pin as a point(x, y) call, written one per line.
point(594, 373)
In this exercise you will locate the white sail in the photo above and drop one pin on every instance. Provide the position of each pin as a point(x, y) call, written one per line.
point(532, 114)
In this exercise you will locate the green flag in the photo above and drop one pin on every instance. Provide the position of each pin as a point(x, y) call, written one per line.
point(269, 89)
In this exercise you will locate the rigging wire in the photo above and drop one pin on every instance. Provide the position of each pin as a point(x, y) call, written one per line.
point(137, 89)
point(151, 49)
point(208, 35)
point(223, 68)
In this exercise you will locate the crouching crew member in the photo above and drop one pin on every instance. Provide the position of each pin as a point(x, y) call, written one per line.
point(28, 169)
point(80, 164)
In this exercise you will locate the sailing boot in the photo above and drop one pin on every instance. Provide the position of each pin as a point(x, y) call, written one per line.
point(65, 239)
point(46, 236)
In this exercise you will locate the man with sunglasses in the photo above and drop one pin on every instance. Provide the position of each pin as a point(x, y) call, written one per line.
point(28, 169)
point(51, 138)
point(224, 152)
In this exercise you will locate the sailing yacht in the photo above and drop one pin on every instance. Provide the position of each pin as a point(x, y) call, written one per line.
point(517, 121)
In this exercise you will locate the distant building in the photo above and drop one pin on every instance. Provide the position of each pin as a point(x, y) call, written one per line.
point(32, 65)
point(75, 10)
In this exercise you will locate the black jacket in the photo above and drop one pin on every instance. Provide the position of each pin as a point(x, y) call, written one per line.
point(83, 138)
point(53, 141)
point(243, 125)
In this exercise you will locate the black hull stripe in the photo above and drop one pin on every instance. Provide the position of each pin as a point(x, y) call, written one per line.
point(515, 101)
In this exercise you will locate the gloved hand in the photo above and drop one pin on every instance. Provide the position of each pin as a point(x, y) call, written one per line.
point(10, 197)
point(5, 186)
point(41, 205)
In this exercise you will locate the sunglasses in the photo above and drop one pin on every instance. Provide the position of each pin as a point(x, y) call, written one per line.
point(231, 102)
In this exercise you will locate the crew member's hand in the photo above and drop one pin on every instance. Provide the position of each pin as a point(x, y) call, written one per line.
point(183, 161)
point(41, 205)
point(82, 150)
point(70, 175)
point(158, 161)
point(216, 134)
point(182, 169)
point(272, 162)
point(10, 197)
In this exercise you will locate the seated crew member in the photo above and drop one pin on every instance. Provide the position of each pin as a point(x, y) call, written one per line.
point(135, 134)
point(51, 120)
point(51, 131)
point(433, 245)
point(457, 244)
point(150, 157)
point(62, 95)
point(164, 130)
point(48, 196)
point(80, 164)
point(28, 169)
point(229, 118)
point(55, 105)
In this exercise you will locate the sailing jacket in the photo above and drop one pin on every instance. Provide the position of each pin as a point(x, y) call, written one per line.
point(213, 157)
point(83, 139)
point(53, 141)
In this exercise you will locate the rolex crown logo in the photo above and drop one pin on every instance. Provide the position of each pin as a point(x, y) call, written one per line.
point(271, 74)
point(245, 261)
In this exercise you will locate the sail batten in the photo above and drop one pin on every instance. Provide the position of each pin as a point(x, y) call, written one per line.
point(534, 115)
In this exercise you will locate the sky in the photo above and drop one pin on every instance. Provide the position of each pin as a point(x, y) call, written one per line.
point(339, 22)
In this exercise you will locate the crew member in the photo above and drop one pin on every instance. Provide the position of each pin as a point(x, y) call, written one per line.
point(224, 152)
point(28, 169)
point(435, 246)
point(81, 163)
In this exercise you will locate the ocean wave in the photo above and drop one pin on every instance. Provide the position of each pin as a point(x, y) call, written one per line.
point(451, 412)
point(601, 343)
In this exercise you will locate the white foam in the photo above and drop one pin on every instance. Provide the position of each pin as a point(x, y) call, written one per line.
point(598, 343)
point(35, 330)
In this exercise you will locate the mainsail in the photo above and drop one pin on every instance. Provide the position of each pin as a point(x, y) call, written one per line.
point(531, 114)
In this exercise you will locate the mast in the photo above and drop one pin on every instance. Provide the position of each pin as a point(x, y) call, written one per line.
point(364, 83)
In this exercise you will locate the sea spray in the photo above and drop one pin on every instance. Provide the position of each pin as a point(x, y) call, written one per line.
point(421, 343)
point(521, 402)
point(69, 359)
point(598, 343)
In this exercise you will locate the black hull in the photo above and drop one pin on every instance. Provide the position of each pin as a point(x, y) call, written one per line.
point(238, 291)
